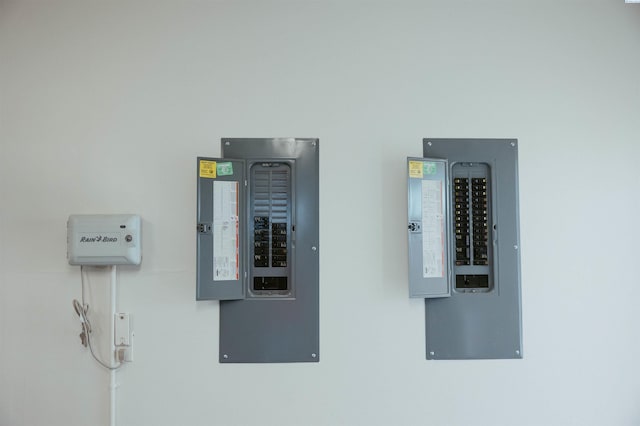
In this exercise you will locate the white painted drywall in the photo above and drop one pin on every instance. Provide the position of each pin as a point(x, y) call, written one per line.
point(104, 107)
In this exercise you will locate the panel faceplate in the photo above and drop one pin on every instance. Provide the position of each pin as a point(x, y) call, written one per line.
point(279, 320)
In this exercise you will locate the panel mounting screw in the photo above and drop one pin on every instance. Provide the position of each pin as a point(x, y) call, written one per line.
point(128, 238)
point(314, 248)
point(313, 355)
point(225, 356)
point(313, 144)
point(513, 144)
point(429, 143)
point(432, 353)
point(517, 352)
point(515, 246)
point(227, 143)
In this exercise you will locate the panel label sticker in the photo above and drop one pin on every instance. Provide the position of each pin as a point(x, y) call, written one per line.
point(225, 169)
point(429, 168)
point(226, 250)
point(415, 169)
point(432, 229)
point(207, 169)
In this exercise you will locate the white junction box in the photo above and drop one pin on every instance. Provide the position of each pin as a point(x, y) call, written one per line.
point(122, 329)
point(104, 239)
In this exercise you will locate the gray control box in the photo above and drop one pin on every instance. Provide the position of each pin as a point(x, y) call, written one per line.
point(474, 236)
point(258, 252)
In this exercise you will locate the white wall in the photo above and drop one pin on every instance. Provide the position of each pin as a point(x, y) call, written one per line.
point(104, 107)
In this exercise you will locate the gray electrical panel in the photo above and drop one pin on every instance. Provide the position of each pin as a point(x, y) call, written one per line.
point(258, 209)
point(463, 229)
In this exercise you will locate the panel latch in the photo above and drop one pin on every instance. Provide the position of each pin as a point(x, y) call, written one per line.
point(203, 228)
point(414, 226)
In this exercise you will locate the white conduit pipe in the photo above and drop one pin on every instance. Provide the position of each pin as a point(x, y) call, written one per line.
point(112, 347)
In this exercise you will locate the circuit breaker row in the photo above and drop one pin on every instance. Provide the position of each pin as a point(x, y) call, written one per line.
point(461, 201)
point(479, 200)
point(263, 234)
point(480, 223)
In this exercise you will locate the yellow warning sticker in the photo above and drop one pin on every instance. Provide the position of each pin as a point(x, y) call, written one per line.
point(415, 169)
point(207, 169)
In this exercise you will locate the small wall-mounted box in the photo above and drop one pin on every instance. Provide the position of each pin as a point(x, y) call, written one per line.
point(102, 239)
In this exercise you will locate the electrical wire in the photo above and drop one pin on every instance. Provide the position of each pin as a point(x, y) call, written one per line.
point(82, 311)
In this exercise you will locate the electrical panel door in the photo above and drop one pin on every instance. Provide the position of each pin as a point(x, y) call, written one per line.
point(220, 229)
point(260, 256)
point(428, 227)
point(479, 314)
